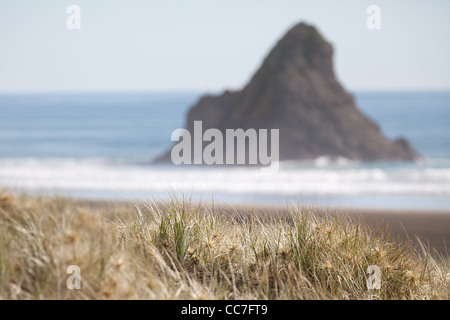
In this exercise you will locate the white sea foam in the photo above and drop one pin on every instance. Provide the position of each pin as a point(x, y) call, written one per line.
point(97, 175)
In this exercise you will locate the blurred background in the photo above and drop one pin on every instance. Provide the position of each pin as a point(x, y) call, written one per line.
point(84, 112)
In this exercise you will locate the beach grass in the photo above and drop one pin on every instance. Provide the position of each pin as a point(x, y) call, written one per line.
point(183, 249)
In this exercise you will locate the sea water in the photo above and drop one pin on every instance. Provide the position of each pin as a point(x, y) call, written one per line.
point(101, 145)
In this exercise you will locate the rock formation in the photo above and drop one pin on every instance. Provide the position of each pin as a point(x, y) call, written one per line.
point(296, 91)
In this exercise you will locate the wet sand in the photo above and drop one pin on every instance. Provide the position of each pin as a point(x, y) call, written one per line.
point(432, 227)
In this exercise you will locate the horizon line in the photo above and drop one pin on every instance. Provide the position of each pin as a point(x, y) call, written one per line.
point(199, 91)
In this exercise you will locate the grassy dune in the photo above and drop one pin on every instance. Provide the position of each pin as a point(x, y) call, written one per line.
point(186, 250)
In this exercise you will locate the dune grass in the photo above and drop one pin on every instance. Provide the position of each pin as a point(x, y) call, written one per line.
point(187, 250)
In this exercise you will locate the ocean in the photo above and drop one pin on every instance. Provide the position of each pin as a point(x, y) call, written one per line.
point(101, 146)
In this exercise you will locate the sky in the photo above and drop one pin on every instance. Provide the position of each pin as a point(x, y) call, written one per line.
point(204, 45)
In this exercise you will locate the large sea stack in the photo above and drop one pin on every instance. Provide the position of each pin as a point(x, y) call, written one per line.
point(296, 91)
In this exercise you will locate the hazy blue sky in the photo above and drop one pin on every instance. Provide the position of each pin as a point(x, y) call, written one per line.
point(212, 45)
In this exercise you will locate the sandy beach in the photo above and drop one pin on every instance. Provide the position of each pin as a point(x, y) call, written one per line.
point(160, 152)
point(183, 249)
point(432, 227)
